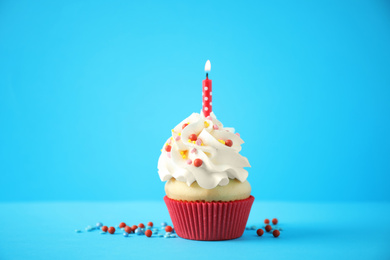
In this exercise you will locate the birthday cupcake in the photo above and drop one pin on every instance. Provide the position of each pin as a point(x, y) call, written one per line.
point(207, 192)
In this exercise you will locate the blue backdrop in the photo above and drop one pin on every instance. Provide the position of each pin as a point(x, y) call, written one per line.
point(89, 91)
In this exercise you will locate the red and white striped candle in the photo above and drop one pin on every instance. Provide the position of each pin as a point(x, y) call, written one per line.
point(207, 91)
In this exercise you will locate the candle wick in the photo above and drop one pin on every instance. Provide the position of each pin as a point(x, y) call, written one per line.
point(207, 75)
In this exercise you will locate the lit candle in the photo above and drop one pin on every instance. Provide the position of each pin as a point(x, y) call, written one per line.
point(206, 89)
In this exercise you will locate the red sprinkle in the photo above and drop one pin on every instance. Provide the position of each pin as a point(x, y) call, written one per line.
point(198, 162)
point(229, 143)
point(275, 221)
point(104, 228)
point(111, 230)
point(184, 126)
point(148, 233)
point(193, 137)
point(266, 221)
point(150, 224)
point(268, 228)
point(134, 227)
point(260, 232)
point(122, 225)
point(276, 233)
point(168, 229)
point(168, 148)
point(128, 229)
point(141, 225)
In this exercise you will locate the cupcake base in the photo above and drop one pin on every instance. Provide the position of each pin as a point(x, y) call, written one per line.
point(209, 220)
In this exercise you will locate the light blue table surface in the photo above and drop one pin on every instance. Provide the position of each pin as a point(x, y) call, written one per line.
point(310, 231)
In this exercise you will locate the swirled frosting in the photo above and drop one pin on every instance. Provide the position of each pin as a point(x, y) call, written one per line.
point(198, 137)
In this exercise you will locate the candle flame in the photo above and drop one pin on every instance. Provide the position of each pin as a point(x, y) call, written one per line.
point(207, 67)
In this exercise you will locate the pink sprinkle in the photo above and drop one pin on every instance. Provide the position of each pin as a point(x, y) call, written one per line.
point(208, 118)
point(169, 154)
point(238, 134)
point(198, 142)
point(169, 141)
point(215, 127)
point(193, 150)
point(177, 138)
point(189, 161)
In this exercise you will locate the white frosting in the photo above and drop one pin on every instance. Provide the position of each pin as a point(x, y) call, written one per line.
point(220, 162)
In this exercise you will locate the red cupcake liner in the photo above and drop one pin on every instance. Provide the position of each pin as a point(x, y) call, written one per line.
point(209, 220)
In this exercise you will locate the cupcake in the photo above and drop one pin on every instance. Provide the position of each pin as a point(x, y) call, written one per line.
point(207, 192)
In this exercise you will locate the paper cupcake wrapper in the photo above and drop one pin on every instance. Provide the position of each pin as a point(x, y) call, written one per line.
point(209, 220)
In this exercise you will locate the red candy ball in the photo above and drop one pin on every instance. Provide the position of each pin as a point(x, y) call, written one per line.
point(260, 232)
point(150, 224)
point(104, 228)
point(184, 126)
point(229, 143)
point(168, 148)
point(134, 227)
point(111, 230)
point(148, 233)
point(168, 229)
point(141, 225)
point(128, 229)
point(275, 221)
point(122, 225)
point(268, 228)
point(266, 221)
point(198, 162)
point(276, 233)
point(193, 137)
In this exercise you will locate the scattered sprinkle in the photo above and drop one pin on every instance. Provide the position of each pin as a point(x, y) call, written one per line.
point(125, 234)
point(148, 233)
point(77, 231)
point(215, 127)
point(260, 232)
point(198, 162)
point(275, 221)
point(276, 233)
point(266, 221)
point(268, 228)
point(111, 230)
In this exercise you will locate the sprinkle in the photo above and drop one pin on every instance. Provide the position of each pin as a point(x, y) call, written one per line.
point(229, 142)
point(189, 161)
point(128, 229)
point(104, 228)
point(183, 126)
point(208, 118)
point(77, 231)
point(238, 134)
point(103, 233)
point(169, 155)
point(173, 130)
point(189, 140)
point(150, 224)
point(275, 221)
point(193, 137)
point(148, 233)
point(111, 230)
point(99, 225)
point(215, 127)
point(193, 150)
point(125, 234)
point(138, 231)
point(122, 225)
point(163, 224)
point(221, 141)
point(253, 227)
point(198, 162)
point(184, 156)
point(170, 140)
point(276, 233)
point(168, 149)
point(199, 142)
point(206, 124)
point(166, 236)
point(161, 235)
point(168, 229)
point(177, 138)
point(172, 236)
point(268, 228)
point(260, 232)
point(179, 134)
point(266, 221)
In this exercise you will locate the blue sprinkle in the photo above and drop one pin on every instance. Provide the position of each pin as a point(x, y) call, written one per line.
point(164, 224)
point(172, 236)
point(161, 235)
point(125, 234)
point(103, 233)
point(253, 227)
point(77, 231)
point(99, 224)
point(138, 231)
point(167, 236)
point(155, 232)
point(168, 233)
point(148, 227)
point(155, 229)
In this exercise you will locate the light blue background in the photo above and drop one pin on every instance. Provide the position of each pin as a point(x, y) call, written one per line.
point(89, 91)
